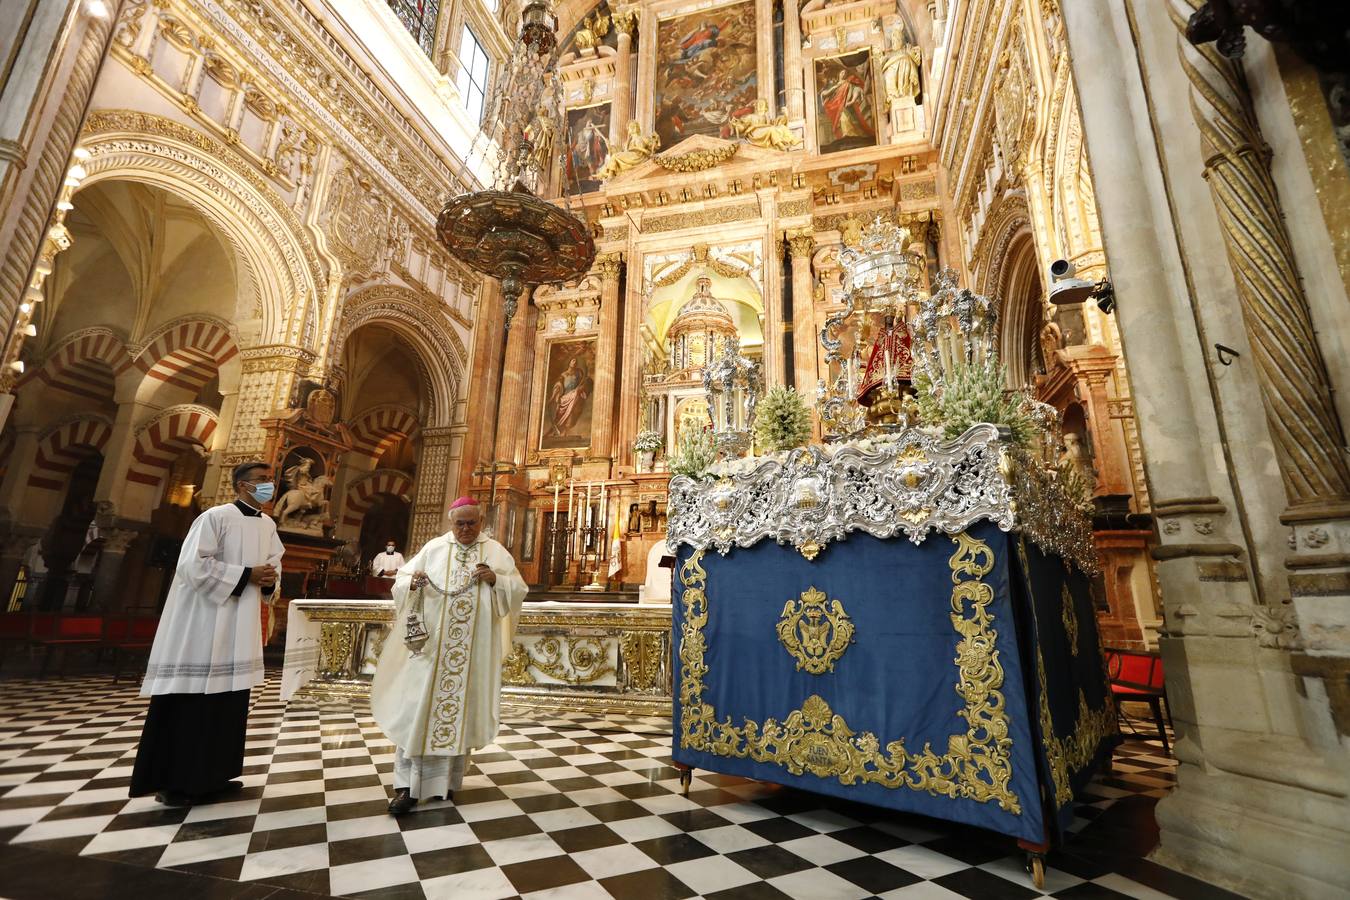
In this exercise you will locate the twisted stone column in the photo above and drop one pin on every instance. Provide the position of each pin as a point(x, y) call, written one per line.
point(1295, 389)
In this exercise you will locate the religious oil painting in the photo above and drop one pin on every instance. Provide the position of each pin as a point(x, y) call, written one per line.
point(587, 145)
point(568, 396)
point(706, 72)
point(846, 112)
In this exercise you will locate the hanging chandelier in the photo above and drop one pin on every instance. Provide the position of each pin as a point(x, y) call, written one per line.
point(508, 231)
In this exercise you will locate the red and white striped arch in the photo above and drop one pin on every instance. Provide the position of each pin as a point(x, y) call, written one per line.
point(376, 429)
point(84, 364)
point(361, 494)
point(166, 436)
point(65, 447)
point(187, 354)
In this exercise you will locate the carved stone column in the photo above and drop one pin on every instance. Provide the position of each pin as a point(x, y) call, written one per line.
point(792, 61)
point(35, 148)
point(621, 108)
point(801, 243)
point(609, 265)
point(108, 574)
point(112, 478)
point(21, 461)
point(1295, 389)
point(441, 453)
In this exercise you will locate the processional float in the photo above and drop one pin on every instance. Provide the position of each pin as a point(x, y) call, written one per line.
point(902, 615)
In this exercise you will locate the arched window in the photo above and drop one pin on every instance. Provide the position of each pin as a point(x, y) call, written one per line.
point(419, 17)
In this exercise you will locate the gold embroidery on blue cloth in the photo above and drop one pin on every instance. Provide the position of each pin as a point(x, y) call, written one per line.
point(1069, 617)
point(815, 631)
point(977, 765)
point(1069, 754)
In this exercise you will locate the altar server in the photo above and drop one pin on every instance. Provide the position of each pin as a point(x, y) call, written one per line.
point(438, 684)
point(387, 564)
point(207, 652)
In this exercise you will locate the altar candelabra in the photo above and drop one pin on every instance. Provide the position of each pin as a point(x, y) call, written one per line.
point(583, 538)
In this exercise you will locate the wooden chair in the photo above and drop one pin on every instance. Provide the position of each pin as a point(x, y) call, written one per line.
point(135, 636)
point(1137, 675)
point(70, 632)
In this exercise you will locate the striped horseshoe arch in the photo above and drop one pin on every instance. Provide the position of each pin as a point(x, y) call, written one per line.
point(84, 364)
point(187, 354)
point(65, 447)
point(361, 494)
point(163, 438)
point(376, 429)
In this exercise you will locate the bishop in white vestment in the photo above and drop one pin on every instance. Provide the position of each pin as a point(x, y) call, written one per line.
point(207, 652)
point(437, 687)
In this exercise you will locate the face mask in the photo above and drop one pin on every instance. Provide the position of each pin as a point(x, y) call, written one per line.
point(263, 492)
point(388, 548)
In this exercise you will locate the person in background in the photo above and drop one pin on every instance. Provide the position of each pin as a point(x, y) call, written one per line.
point(208, 651)
point(387, 564)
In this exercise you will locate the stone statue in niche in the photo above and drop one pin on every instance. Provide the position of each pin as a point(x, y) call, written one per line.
point(1076, 453)
point(900, 70)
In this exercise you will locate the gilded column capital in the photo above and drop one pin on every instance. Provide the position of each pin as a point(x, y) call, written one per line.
point(607, 264)
point(626, 19)
point(801, 241)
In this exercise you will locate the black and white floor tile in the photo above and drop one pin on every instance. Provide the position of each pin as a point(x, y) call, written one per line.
point(559, 807)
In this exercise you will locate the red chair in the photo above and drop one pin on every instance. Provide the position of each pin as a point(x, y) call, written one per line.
point(137, 637)
point(1137, 675)
point(68, 632)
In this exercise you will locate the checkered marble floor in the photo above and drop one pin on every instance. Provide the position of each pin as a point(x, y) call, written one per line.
point(558, 807)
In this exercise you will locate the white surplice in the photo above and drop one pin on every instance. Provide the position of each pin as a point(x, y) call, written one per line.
point(386, 562)
point(446, 702)
point(209, 641)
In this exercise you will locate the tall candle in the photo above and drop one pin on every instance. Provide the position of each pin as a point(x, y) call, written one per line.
point(557, 486)
point(604, 505)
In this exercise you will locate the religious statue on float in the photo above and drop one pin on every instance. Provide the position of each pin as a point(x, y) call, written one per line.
point(890, 367)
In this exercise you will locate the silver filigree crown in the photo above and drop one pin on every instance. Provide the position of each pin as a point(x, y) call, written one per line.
point(954, 326)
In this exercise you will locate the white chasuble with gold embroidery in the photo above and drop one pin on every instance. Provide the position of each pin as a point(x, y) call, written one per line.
point(446, 700)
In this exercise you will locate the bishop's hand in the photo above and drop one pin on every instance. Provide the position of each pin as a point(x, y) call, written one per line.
point(419, 579)
point(483, 572)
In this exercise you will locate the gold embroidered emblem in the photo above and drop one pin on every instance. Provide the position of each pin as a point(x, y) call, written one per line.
point(815, 630)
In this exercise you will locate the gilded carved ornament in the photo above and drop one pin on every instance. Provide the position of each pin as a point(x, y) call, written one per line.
point(698, 160)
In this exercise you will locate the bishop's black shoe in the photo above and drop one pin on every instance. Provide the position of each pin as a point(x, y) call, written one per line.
point(403, 802)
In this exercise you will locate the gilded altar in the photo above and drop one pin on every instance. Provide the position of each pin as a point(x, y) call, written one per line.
point(597, 658)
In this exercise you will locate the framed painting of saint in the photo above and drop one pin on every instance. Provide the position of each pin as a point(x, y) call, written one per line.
point(846, 109)
point(569, 390)
point(587, 145)
point(706, 72)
